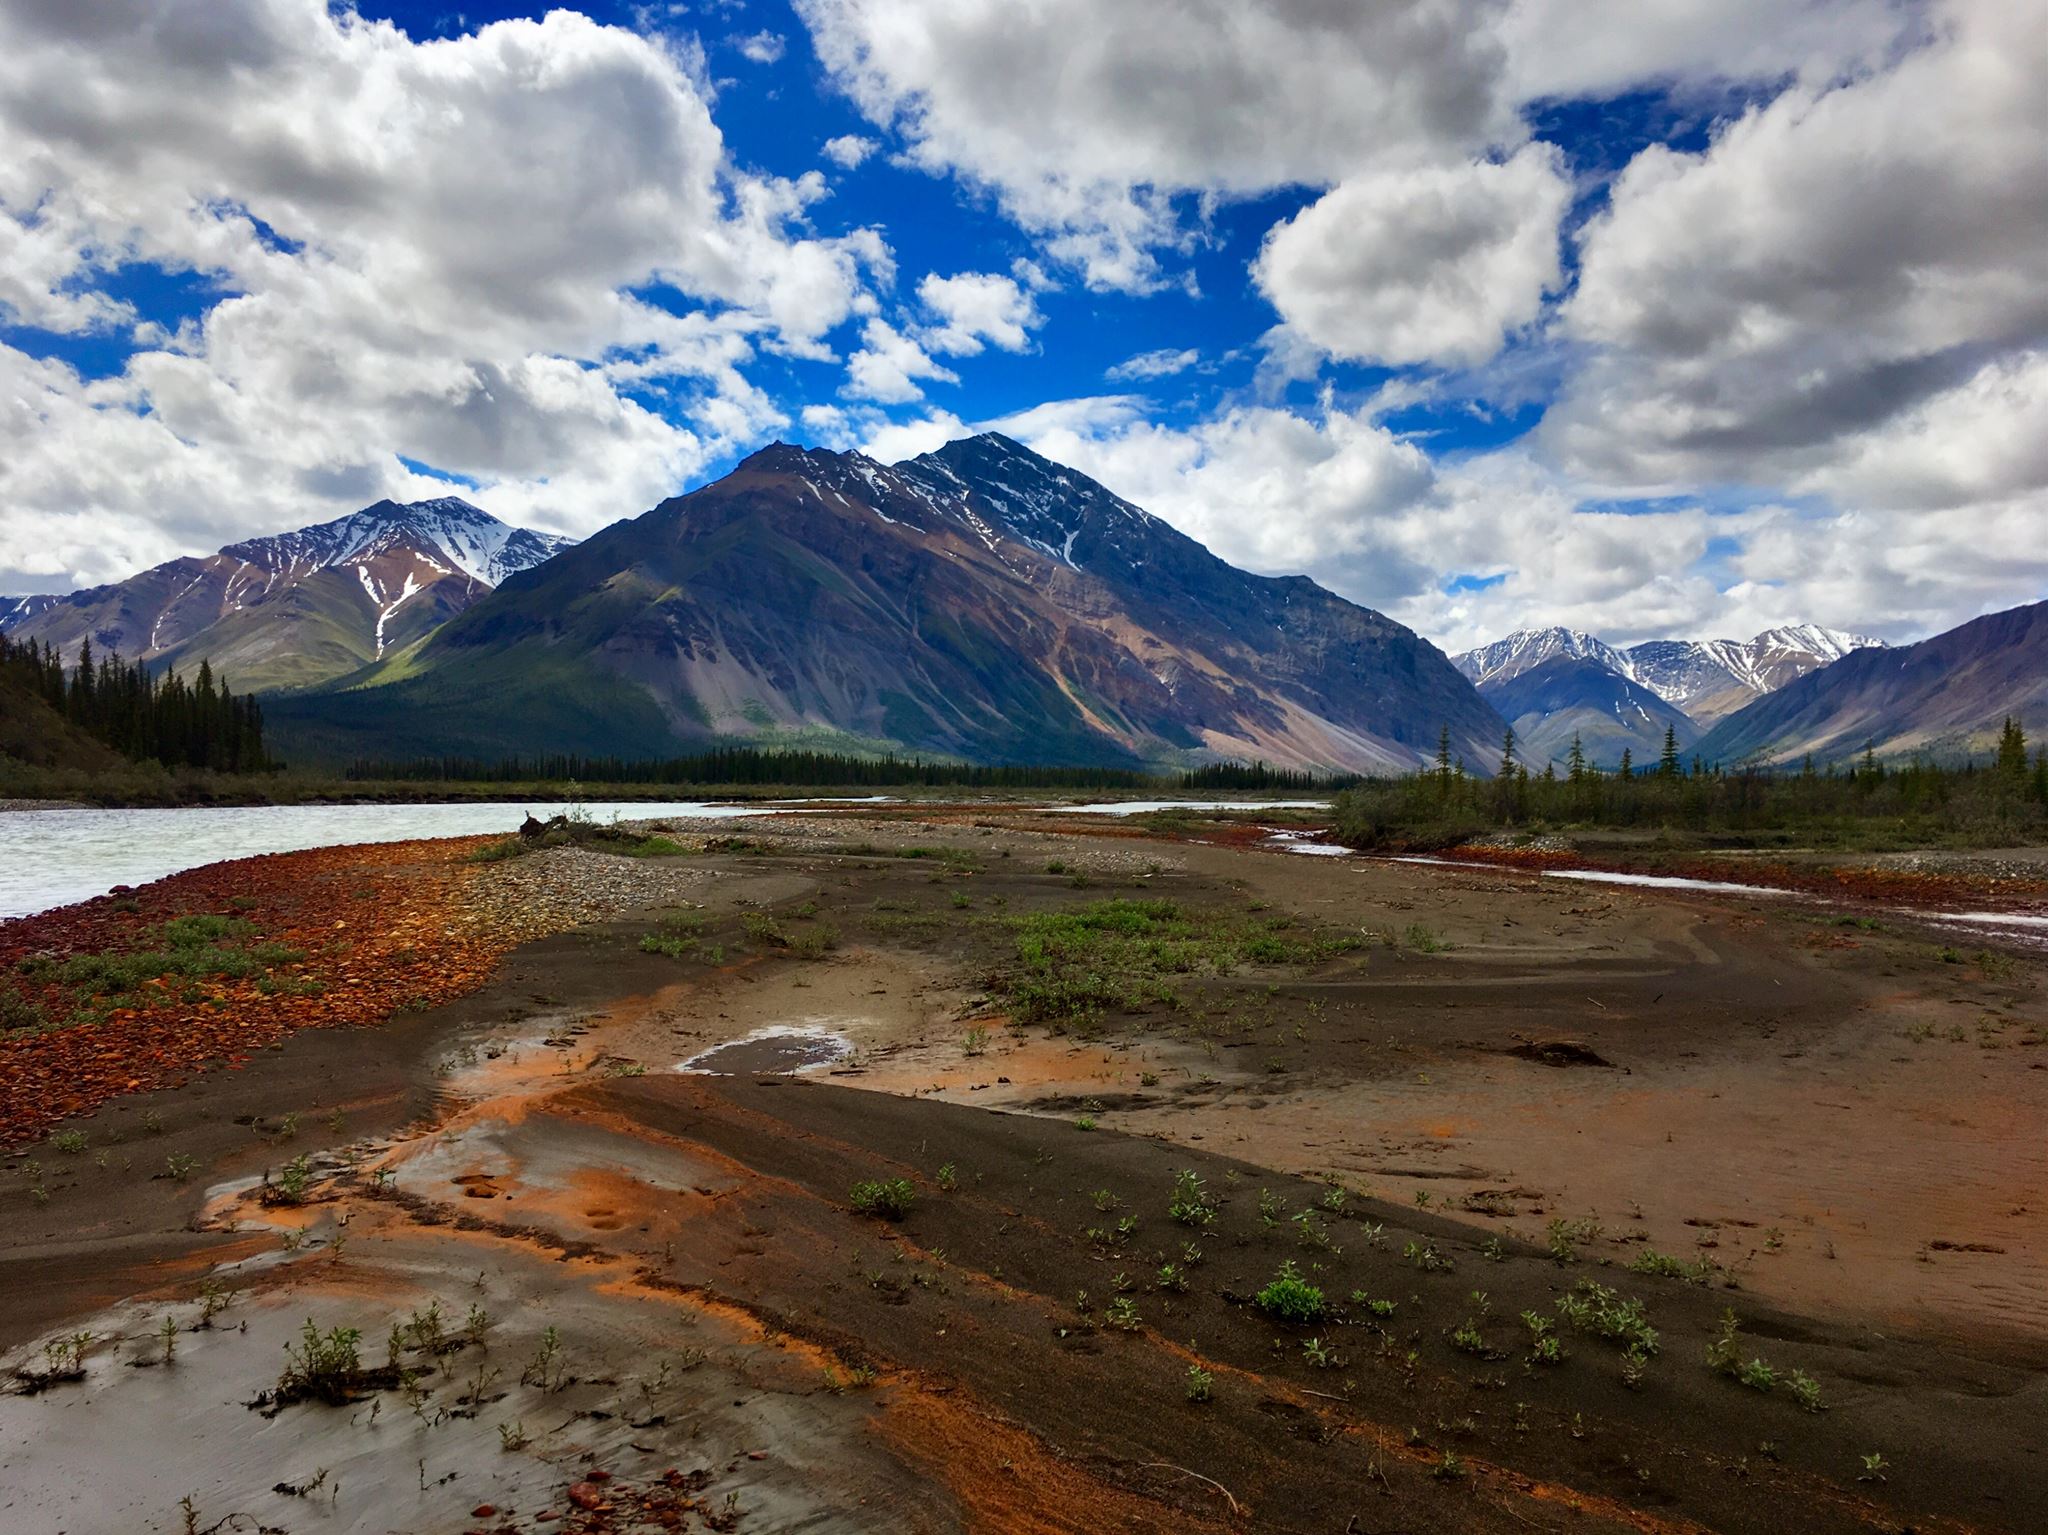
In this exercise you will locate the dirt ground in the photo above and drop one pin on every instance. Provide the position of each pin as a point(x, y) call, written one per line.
point(598, 1291)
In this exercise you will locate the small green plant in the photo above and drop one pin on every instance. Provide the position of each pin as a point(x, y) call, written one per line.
point(1172, 1277)
point(889, 1199)
point(512, 1436)
point(1663, 1265)
point(546, 1369)
point(1724, 1352)
point(1190, 1203)
point(1594, 1308)
point(1290, 1298)
point(152, 1121)
point(948, 1177)
point(1318, 1354)
point(1805, 1391)
point(975, 1042)
point(1874, 1467)
point(178, 1167)
point(1123, 1315)
point(1449, 1469)
point(70, 1142)
point(288, 1127)
point(1423, 1255)
point(1565, 1237)
point(214, 1298)
point(1085, 1122)
point(293, 1180)
point(324, 1365)
point(1757, 1375)
point(1201, 1385)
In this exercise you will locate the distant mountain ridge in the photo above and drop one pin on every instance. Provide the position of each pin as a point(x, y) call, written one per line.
point(1575, 698)
point(1943, 698)
point(1705, 680)
point(979, 601)
point(299, 608)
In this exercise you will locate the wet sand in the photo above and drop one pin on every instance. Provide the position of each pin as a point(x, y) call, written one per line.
point(1836, 1120)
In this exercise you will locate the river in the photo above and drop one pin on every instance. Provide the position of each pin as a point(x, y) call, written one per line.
point(54, 857)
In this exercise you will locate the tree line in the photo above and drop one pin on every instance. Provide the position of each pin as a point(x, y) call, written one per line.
point(145, 716)
point(1445, 803)
point(749, 765)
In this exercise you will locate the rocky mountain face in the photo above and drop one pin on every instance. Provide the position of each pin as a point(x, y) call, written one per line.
point(1704, 679)
point(1567, 697)
point(979, 601)
point(1943, 698)
point(1504, 660)
point(298, 608)
point(1710, 679)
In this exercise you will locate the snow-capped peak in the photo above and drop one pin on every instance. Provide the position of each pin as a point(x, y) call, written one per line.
point(446, 529)
point(1528, 648)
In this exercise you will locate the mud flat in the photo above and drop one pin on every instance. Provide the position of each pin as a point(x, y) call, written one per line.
point(964, 1174)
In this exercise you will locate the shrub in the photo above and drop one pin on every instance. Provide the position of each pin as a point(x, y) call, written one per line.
point(886, 1198)
point(1594, 1308)
point(1290, 1298)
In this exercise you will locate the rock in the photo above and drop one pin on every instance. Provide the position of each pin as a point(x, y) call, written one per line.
point(586, 1495)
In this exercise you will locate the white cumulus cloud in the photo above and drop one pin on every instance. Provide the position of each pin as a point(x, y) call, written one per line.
point(432, 251)
point(1432, 264)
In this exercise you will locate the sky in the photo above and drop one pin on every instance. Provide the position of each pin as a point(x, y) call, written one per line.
point(1655, 318)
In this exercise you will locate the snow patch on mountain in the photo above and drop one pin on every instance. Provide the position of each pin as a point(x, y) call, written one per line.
point(465, 537)
point(1703, 678)
point(1529, 648)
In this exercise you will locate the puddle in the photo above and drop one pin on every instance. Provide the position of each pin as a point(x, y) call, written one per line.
point(1603, 877)
point(1147, 806)
point(1991, 919)
point(1298, 842)
point(1999, 923)
point(776, 1051)
point(1670, 882)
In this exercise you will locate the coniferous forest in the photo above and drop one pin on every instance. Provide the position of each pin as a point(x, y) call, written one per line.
point(180, 723)
point(1865, 802)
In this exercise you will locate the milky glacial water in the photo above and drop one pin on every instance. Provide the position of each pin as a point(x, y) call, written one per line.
point(780, 1050)
point(1146, 806)
point(54, 857)
point(2027, 926)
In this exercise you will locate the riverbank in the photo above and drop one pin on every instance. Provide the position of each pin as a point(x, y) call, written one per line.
point(1445, 1096)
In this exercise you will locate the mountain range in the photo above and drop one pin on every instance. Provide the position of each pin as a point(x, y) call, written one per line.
point(981, 602)
point(1704, 679)
point(1943, 698)
point(978, 601)
point(299, 608)
point(1554, 684)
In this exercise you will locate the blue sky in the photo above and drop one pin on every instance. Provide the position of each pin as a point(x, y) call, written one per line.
point(1662, 318)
